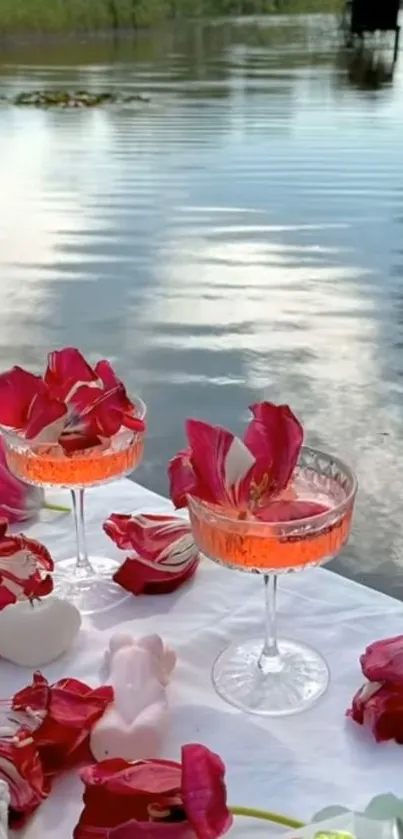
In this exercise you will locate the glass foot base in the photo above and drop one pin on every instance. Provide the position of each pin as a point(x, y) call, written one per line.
point(298, 678)
point(91, 593)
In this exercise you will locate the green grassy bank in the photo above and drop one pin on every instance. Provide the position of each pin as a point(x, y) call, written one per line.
point(59, 16)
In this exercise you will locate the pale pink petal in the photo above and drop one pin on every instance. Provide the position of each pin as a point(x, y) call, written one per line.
point(220, 461)
point(275, 437)
point(18, 388)
point(382, 661)
point(182, 478)
point(46, 420)
point(204, 793)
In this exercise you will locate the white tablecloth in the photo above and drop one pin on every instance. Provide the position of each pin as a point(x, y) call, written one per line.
point(293, 765)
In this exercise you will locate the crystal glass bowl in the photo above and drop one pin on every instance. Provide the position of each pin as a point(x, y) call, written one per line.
point(273, 676)
point(83, 579)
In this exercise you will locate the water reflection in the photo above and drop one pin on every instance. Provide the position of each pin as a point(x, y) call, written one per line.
point(367, 69)
point(239, 236)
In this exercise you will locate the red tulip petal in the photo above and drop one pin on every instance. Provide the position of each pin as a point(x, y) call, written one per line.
point(78, 441)
point(34, 696)
point(127, 409)
point(18, 501)
point(222, 464)
point(166, 553)
point(145, 830)
point(204, 792)
point(380, 708)
point(21, 768)
point(65, 369)
point(117, 527)
point(182, 478)
point(69, 710)
point(138, 578)
point(159, 539)
point(382, 661)
point(106, 374)
point(155, 777)
point(46, 419)
point(18, 389)
point(22, 565)
point(275, 437)
point(6, 596)
point(133, 423)
point(40, 552)
point(118, 792)
point(283, 511)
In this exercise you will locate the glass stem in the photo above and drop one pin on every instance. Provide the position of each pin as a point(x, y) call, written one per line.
point(83, 566)
point(270, 661)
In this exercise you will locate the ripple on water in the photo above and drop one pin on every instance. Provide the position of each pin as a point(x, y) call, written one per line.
point(238, 236)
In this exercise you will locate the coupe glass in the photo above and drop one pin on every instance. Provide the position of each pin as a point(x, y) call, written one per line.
point(266, 675)
point(84, 580)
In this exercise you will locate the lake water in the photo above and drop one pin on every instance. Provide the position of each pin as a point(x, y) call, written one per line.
point(238, 237)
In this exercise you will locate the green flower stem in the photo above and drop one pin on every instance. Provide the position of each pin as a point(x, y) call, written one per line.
point(276, 818)
point(57, 508)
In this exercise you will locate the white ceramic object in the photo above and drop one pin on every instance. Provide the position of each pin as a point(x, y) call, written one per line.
point(134, 725)
point(35, 635)
point(4, 802)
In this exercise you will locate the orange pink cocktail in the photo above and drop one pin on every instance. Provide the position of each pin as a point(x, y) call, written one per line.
point(265, 505)
point(73, 427)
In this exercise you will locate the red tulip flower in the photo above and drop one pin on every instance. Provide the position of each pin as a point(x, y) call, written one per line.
point(379, 703)
point(21, 768)
point(19, 502)
point(248, 475)
point(25, 568)
point(66, 712)
point(74, 404)
point(163, 553)
point(156, 799)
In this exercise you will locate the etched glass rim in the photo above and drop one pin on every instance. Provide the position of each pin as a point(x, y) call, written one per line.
point(16, 439)
point(203, 509)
